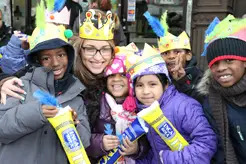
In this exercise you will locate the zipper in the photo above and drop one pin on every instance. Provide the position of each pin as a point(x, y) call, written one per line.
point(240, 133)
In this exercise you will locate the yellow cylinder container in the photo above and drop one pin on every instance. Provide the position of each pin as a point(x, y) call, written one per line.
point(69, 137)
point(154, 116)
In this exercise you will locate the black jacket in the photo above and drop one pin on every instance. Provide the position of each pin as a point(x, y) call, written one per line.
point(188, 83)
point(5, 35)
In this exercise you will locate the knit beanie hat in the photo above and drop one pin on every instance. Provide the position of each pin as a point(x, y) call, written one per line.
point(118, 65)
point(225, 39)
point(227, 48)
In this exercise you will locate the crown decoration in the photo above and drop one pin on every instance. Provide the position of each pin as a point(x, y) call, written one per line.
point(97, 28)
point(170, 42)
point(229, 27)
point(119, 62)
point(51, 31)
point(47, 31)
point(62, 17)
point(139, 61)
point(56, 12)
point(167, 41)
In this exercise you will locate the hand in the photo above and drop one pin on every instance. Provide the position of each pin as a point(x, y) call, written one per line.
point(178, 71)
point(128, 147)
point(110, 142)
point(75, 116)
point(10, 88)
point(49, 111)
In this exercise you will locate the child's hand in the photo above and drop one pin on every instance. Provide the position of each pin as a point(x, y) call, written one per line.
point(49, 111)
point(178, 71)
point(110, 142)
point(75, 116)
point(128, 147)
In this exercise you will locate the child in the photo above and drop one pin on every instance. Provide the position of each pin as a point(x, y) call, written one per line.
point(224, 84)
point(151, 82)
point(175, 49)
point(25, 133)
point(117, 109)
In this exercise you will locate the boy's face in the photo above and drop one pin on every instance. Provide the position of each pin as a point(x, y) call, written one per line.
point(55, 59)
point(171, 57)
point(228, 72)
point(148, 88)
point(117, 85)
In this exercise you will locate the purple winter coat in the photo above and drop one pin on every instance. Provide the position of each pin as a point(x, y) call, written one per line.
point(95, 151)
point(187, 116)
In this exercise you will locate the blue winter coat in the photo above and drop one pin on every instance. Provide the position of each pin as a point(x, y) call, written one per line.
point(187, 116)
point(13, 56)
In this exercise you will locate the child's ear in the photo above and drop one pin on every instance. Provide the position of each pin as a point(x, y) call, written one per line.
point(188, 56)
point(244, 64)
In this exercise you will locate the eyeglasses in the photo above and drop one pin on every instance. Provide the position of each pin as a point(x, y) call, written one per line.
point(92, 51)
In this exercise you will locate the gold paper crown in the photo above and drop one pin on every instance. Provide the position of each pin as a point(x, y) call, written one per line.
point(104, 29)
point(141, 60)
point(50, 31)
point(170, 42)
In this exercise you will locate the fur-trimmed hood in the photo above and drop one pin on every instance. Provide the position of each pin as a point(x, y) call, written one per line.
point(203, 86)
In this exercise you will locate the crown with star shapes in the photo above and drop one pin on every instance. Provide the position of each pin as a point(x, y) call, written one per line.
point(96, 27)
point(170, 42)
point(139, 61)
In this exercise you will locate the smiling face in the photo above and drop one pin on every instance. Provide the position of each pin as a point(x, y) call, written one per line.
point(171, 57)
point(228, 72)
point(55, 59)
point(148, 88)
point(117, 85)
point(97, 62)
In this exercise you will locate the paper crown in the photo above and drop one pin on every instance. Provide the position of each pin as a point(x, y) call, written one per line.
point(97, 28)
point(50, 31)
point(230, 27)
point(60, 17)
point(137, 63)
point(47, 31)
point(167, 41)
point(170, 42)
point(118, 64)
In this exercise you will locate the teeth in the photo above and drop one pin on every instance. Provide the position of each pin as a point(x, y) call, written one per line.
point(225, 76)
point(117, 87)
point(57, 72)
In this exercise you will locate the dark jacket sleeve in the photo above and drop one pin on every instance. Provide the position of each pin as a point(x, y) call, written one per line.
point(95, 150)
point(188, 83)
point(218, 157)
point(143, 148)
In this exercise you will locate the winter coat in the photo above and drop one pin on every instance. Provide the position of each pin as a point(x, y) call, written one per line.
point(5, 35)
point(236, 125)
point(188, 83)
point(26, 135)
point(187, 117)
point(95, 151)
point(13, 56)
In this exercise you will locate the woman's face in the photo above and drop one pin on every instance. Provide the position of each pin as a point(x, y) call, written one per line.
point(228, 72)
point(96, 55)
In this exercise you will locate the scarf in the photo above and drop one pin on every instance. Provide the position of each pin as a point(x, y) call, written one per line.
point(218, 97)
